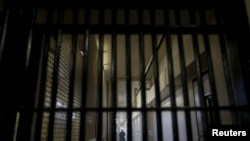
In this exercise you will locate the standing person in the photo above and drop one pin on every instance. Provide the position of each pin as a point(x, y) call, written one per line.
point(122, 135)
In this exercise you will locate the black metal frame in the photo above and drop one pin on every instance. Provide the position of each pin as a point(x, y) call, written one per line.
point(23, 65)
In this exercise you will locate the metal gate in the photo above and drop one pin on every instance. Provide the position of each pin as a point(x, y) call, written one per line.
point(159, 72)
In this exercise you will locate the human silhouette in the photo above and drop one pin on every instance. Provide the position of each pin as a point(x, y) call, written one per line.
point(122, 135)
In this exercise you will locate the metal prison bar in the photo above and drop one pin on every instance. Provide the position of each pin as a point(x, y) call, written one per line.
point(159, 72)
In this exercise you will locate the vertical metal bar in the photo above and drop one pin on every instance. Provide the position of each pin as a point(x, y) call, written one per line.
point(172, 85)
point(100, 93)
point(226, 67)
point(113, 75)
point(30, 36)
point(4, 31)
point(199, 81)
point(16, 126)
point(72, 78)
point(85, 78)
point(100, 78)
point(55, 78)
point(184, 80)
point(43, 78)
point(128, 78)
point(41, 92)
point(171, 79)
point(210, 66)
point(142, 79)
point(156, 78)
point(40, 52)
point(199, 76)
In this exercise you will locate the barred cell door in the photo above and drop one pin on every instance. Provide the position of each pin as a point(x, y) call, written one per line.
point(157, 71)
